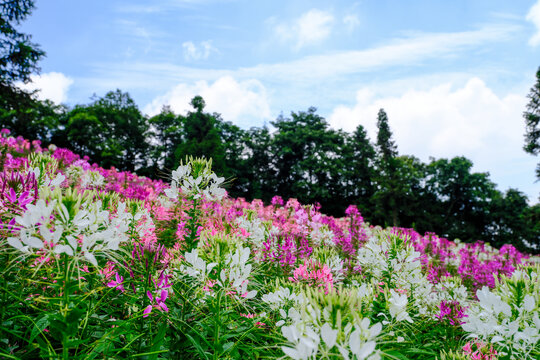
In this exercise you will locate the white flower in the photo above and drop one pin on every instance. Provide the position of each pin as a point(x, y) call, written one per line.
point(528, 303)
point(305, 343)
point(172, 192)
point(329, 335)
point(181, 172)
point(280, 297)
point(39, 213)
point(198, 269)
point(92, 179)
point(397, 306)
point(492, 302)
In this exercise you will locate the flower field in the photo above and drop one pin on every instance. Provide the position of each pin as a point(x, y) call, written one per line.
point(101, 264)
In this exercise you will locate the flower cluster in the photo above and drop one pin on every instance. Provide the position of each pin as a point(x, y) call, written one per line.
point(313, 274)
point(185, 269)
point(194, 180)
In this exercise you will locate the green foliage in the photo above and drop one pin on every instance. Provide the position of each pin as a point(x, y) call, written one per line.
point(358, 164)
point(28, 117)
point(305, 155)
point(260, 173)
point(388, 180)
point(111, 131)
point(202, 136)
point(166, 130)
point(463, 199)
point(532, 121)
point(18, 55)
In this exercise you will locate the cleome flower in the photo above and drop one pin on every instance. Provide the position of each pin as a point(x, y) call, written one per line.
point(80, 230)
point(194, 180)
point(508, 316)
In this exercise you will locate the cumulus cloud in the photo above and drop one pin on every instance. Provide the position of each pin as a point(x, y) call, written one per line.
point(534, 16)
point(445, 121)
point(239, 102)
point(310, 28)
point(52, 86)
point(198, 52)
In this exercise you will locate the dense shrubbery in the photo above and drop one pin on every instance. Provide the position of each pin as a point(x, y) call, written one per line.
point(98, 263)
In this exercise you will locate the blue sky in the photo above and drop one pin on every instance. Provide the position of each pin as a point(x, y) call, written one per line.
point(453, 76)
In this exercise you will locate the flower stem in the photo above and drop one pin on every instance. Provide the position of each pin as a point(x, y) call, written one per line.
point(65, 310)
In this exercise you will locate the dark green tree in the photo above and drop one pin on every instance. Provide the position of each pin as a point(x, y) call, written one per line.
point(111, 131)
point(84, 133)
point(306, 154)
point(234, 156)
point(386, 194)
point(532, 122)
point(202, 137)
point(463, 199)
point(261, 174)
point(358, 165)
point(411, 199)
point(531, 215)
point(31, 118)
point(166, 134)
point(18, 55)
point(19, 110)
point(509, 223)
point(386, 146)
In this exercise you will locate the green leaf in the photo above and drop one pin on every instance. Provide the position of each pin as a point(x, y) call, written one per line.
point(39, 326)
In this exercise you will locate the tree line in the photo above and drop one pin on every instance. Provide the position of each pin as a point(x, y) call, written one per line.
point(301, 157)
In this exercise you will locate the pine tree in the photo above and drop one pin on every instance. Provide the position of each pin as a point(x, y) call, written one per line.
point(358, 164)
point(386, 145)
point(532, 122)
point(387, 180)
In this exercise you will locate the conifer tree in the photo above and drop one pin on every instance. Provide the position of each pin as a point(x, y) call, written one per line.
point(387, 180)
point(532, 122)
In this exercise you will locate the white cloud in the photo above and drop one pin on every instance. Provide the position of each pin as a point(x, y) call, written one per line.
point(309, 70)
point(445, 121)
point(404, 51)
point(310, 28)
point(351, 21)
point(534, 16)
point(52, 86)
point(240, 102)
point(200, 52)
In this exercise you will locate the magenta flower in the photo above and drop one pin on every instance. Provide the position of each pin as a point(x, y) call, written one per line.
point(451, 311)
point(117, 283)
point(159, 302)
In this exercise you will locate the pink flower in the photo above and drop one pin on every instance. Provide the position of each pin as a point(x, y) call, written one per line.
point(117, 283)
point(314, 273)
point(248, 316)
point(159, 301)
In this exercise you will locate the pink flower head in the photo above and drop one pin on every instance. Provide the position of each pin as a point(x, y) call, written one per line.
point(157, 301)
point(314, 273)
point(117, 283)
point(277, 201)
point(451, 311)
point(482, 352)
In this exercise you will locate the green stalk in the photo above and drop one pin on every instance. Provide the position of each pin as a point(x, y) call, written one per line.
point(4, 291)
point(193, 225)
point(65, 310)
point(217, 326)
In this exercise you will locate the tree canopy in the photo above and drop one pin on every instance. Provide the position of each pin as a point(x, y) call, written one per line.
point(532, 122)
